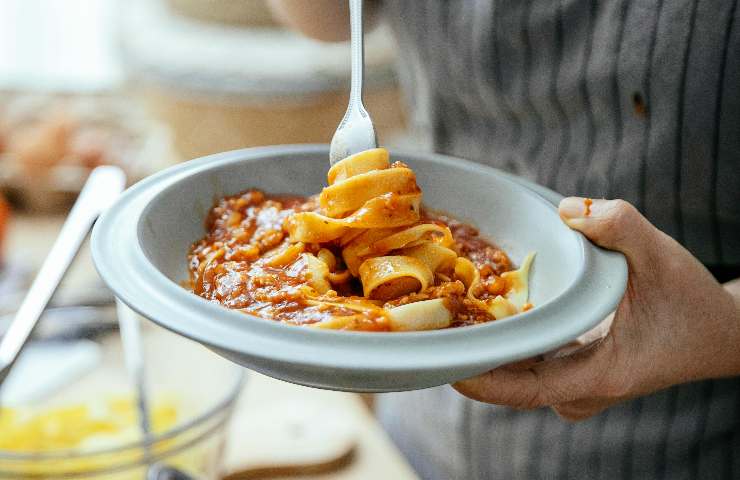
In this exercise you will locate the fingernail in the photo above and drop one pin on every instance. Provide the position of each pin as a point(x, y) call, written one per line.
point(574, 207)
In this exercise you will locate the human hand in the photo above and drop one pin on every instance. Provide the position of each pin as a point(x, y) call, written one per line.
point(675, 324)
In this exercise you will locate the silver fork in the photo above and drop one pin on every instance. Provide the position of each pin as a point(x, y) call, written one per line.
point(355, 132)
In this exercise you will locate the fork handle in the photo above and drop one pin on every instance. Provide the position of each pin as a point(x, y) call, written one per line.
point(357, 51)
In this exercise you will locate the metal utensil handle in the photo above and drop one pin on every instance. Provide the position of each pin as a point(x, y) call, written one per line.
point(357, 51)
point(161, 471)
point(102, 187)
point(357, 57)
point(133, 355)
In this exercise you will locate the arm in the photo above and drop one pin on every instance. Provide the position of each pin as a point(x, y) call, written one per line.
point(675, 324)
point(326, 20)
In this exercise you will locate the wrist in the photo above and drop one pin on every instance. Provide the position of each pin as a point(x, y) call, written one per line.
point(733, 289)
point(722, 357)
point(702, 344)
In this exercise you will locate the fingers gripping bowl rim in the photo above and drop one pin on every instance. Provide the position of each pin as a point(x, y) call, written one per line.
point(139, 247)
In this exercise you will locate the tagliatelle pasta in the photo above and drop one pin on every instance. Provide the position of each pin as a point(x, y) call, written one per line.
point(361, 255)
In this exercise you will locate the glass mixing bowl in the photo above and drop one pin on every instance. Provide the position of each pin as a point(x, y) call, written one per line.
point(202, 386)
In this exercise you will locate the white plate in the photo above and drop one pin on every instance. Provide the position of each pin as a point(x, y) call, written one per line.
point(140, 247)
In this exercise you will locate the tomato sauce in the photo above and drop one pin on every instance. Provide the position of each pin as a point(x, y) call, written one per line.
point(231, 266)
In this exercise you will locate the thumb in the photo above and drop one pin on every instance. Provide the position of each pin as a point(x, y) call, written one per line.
point(612, 224)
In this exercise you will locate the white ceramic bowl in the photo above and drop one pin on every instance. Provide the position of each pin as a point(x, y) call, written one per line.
point(140, 247)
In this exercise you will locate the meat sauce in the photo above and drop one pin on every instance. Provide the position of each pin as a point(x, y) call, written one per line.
point(232, 266)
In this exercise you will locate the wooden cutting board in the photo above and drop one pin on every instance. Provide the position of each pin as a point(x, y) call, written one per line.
point(290, 437)
point(283, 431)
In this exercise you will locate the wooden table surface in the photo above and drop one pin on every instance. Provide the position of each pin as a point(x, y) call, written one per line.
point(375, 455)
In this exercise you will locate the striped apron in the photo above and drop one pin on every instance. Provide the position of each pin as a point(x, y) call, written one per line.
point(632, 99)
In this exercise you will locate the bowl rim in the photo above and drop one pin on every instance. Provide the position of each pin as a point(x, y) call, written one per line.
point(224, 405)
point(138, 283)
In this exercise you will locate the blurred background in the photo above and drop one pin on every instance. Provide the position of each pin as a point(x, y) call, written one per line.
point(144, 84)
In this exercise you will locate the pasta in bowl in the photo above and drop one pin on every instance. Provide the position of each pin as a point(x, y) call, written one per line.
point(140, 246)
point(362, 255)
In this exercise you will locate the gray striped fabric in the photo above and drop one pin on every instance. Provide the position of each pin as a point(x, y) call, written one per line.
point(636, 99)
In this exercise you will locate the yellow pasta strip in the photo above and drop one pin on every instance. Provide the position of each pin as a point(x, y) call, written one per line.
point(517, 282)
point(350, 253)
point(379, 212)
point(310, 227)
point(317, 274)
point(393, 276)
point(424, 315)
point(434, 256)
point(337, 322)
point(350, 194)
point(501, 306)
point(361, 305)
point(363, 162)
point(425, 232)
point(284, 255)
point(326, 256)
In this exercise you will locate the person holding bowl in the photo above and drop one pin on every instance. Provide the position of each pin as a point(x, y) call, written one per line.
point(626, 100)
